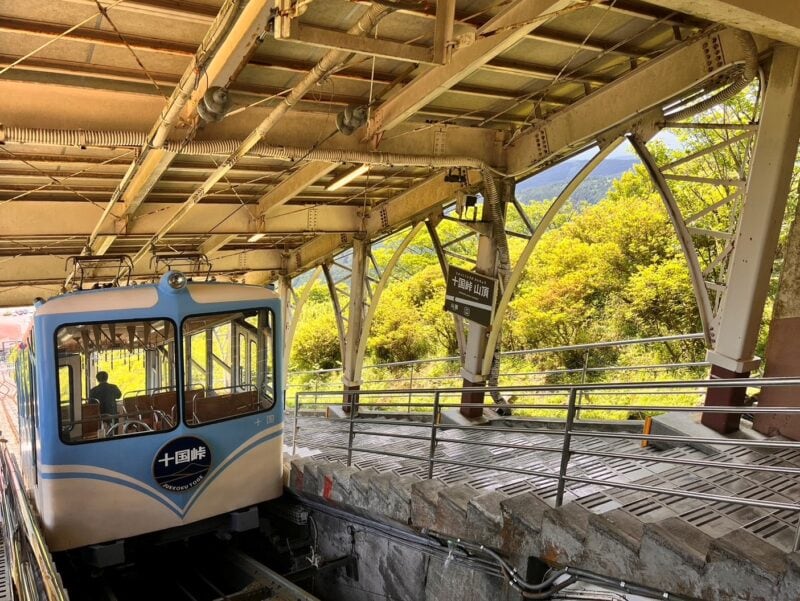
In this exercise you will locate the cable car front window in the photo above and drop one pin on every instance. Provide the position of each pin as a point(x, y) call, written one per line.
point(116, 379)
point(228, 360)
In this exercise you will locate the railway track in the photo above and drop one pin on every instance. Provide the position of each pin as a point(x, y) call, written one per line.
point(205, 569)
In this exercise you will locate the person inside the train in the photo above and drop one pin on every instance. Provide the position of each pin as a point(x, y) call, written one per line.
point(106, 394)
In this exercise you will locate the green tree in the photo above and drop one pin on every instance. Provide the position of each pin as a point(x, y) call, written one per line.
point(316, 340)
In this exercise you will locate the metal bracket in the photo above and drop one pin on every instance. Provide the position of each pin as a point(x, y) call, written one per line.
point(122, 263)
point(195, 263)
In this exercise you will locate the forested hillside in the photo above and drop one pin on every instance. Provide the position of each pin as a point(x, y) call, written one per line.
point(607, 271)
point(594, 188)
point(612, 269)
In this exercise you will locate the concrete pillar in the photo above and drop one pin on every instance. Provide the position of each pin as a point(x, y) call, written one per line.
point(783, 345)
point(757, 237)
point(477, 336)
point(351, 377)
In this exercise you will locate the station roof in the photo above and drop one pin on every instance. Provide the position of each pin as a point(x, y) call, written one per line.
point(104, 151)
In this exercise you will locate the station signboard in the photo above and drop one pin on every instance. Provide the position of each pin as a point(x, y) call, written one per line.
point(470, 295)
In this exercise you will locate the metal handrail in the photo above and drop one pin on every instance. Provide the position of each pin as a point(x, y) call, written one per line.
point(576, 401)
point(589, 386)
point(548, 372)
point(552, 349)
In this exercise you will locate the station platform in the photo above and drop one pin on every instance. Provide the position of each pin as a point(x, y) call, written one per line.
point(697, 547)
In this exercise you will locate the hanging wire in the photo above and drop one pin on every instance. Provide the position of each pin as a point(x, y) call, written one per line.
point(54, 180)
point(372, 80)
point(551, 85)
point(258, 102)
point(55, 39)
point(72, 175)
point(45, 247)
point(104, 11)
point(578, 6)
point(233, 189)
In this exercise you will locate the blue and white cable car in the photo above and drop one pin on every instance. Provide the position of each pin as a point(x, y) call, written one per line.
point(187, 426)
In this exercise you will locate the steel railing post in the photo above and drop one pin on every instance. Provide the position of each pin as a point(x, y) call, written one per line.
point(584, 370)
point(796, 546)
point(434, 427)
point(354, 402)
point(410, 387)
point(296, 425)
point(565, 451)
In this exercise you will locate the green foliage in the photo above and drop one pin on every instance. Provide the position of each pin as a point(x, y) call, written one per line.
point(316, 342)
point(126, 370)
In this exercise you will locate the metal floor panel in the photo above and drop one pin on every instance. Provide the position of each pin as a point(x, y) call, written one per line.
point(716, 519)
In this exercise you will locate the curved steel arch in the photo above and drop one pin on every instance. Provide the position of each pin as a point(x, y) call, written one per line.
point(519, 267)
point(376, 295)
point(684, 238)
point(337, 308)
point(299, 303)
point(458, 323)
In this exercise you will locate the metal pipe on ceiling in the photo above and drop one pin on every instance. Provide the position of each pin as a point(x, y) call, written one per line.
point(109, 139)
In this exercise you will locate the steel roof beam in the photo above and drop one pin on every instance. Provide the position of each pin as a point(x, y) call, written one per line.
point(651, 85)
point(293, 185)
point(35, 218)
point(496, 36)
point(562, 38)
point(322, 37)
point(106, 38)
point(232, 38)
point(502, 65)
point(95, 36)
point(215, 243)
point(131, 77)
point(389, 216)
point(622, 7)
point(776, 19)
point(204, 13)
point(183, 10)
point(50, 269)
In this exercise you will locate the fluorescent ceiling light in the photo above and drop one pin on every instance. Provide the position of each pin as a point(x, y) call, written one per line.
point(348, 177)
point(256, 237)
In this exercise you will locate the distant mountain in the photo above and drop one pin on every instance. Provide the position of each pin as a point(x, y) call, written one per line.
point(549, 183)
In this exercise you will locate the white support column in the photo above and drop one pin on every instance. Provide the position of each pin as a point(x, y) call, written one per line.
point(477, 336)
point(285, 292)
point(757, 238)
point(355, 322)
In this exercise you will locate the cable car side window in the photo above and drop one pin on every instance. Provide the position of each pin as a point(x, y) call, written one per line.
point(229, 362)
point(116, 379)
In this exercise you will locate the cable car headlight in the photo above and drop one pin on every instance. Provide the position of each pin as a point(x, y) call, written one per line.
point(176, 280)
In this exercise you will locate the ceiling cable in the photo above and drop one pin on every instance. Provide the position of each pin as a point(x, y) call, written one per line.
point(104, 11)
point(72, 175)
point(53, 180)
point(55, 39)
point(557, 79)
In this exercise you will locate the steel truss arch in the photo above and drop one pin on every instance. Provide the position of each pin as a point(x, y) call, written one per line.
point(293, 307)
point(684, 237)
point(337, 308)
point(536, 235)
point(377, 292)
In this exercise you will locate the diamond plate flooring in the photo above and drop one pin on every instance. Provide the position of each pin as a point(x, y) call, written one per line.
point(477, 457)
